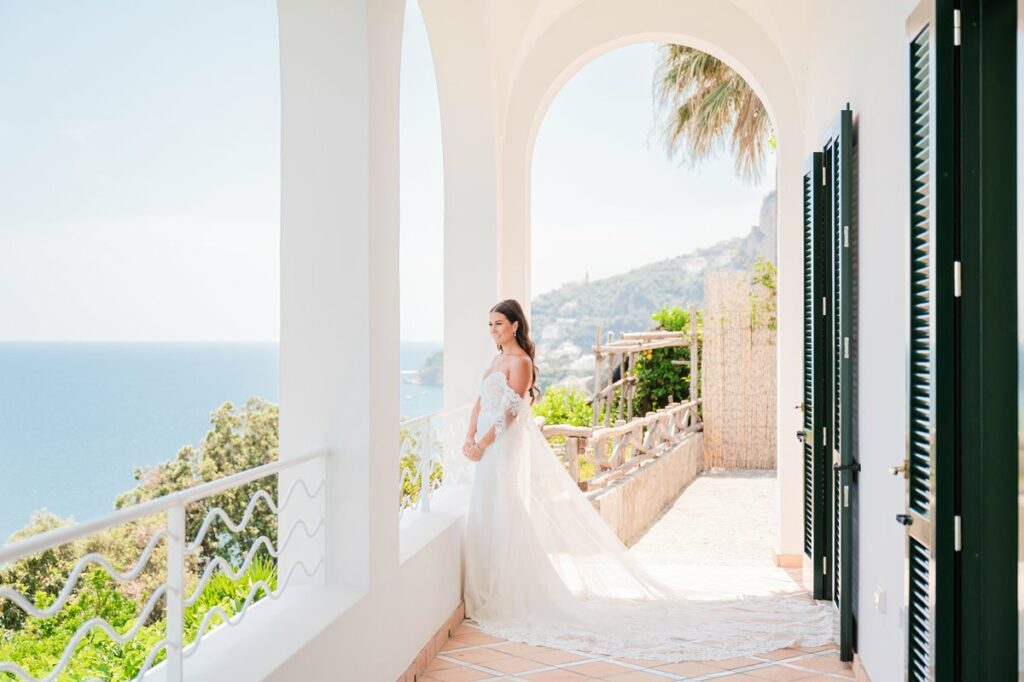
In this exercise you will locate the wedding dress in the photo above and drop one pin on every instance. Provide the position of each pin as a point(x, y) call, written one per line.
point(542, 567)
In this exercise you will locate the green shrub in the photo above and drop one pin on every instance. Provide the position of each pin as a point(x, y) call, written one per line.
point(239, 439)
point(657, 376)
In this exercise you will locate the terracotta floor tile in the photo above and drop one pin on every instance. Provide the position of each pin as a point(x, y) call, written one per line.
point(459, 674)
point(520, 649)
point(780, 673)
point(781, 654)
point(643, 662)
point(825, 664)
point(562, 675)
point(512, 664)
point(455, 643)
point(600, 669)
point(690, 668)
point(478, 655)
point(738, 677)
point(815, 649)
point(440, 664)
point(733, 663)
point(554, 657)
point(476, 638)
point(635, 676)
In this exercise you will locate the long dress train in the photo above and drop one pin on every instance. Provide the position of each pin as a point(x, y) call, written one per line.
point(542, 567)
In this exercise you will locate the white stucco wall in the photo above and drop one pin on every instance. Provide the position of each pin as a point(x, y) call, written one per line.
point(499, 65)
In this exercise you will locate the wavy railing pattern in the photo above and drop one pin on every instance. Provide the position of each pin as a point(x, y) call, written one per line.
point(430, 456)
point(171, 591)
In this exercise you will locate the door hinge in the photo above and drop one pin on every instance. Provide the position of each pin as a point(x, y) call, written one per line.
point(824, 565)
point(957, 536)
point(824, 435)
point(824, 306)
point(846, 496)
point(846, 347)
point(956, 27)
point(846, 235)
point(824, 172)
point(957, 287)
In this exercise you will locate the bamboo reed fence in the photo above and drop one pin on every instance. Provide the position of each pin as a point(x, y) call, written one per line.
point(739, 381)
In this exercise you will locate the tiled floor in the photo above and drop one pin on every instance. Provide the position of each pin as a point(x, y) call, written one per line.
point(705, 543)
point(471, 655)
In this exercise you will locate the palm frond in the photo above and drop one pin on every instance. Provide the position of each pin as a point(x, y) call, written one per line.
point(702, 106)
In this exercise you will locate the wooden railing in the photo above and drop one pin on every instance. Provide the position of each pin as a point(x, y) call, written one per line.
point(614, 451)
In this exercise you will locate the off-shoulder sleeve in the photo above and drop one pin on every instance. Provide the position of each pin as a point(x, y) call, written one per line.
point(512, 403)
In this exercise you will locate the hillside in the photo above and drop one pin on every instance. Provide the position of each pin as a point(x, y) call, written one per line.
point(625, 302)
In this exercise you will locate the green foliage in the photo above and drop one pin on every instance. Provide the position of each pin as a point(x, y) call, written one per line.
point(673, 319)
point(412, 444)
point(657, 377)
point(565, 405)
point(40, 643)
point(238, 440)
point(562, 405)
point(763, 314)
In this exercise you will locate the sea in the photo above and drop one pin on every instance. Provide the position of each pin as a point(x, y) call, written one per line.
point(77, 418)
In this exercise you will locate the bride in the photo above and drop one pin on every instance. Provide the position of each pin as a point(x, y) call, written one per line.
point(542, 567)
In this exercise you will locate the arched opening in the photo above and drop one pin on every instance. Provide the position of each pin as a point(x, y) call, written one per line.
point(141, 204)
point(624, 240)
point(583, 33)
point(421, 267)
point(421, 223)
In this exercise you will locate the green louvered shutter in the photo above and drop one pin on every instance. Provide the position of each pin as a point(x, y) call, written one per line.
point(920, 389)
point(838, 162)
point(815, 406)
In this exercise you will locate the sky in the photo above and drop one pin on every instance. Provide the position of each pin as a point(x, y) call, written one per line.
point(140, 174)
point(139, 170)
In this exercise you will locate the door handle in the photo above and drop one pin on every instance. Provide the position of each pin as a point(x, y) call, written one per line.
point(901, 469)
point(800, 436)
point(905, 519)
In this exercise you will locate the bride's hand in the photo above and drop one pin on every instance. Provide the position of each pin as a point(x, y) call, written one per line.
point(472, 451)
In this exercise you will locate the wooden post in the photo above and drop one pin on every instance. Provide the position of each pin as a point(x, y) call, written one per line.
point(572, 457)
point(694, 356)
point(621, 402)
point(631, 389)
point(598, 384)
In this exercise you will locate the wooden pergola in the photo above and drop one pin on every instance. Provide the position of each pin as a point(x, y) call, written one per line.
point(621, 355)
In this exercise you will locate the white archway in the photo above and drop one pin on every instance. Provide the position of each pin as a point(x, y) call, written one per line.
point(591, 29)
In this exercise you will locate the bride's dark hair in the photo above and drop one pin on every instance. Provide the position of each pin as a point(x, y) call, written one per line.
point(511, 309)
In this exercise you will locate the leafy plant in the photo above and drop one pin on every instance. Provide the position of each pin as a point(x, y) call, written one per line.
point(563, 405)
point(705, 105)
point(411, 445)
point(658, 377)
point(239, 439)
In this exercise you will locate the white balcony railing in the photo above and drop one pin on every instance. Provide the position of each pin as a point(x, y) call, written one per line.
point(182, 550)
point(430, 456)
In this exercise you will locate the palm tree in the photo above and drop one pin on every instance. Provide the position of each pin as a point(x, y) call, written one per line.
point(704, 105)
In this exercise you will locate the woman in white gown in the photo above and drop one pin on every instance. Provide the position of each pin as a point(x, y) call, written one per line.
point(542, 567)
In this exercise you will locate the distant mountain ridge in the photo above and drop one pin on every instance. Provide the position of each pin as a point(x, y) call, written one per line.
point(571, 313)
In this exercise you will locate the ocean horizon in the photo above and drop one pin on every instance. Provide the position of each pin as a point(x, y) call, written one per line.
point(77, 418)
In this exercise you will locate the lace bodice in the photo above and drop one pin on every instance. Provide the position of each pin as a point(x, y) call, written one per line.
point(499, 403)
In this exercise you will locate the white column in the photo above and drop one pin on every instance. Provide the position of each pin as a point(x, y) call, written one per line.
point(790, 335)
point(339, 270)
point(466, 92)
